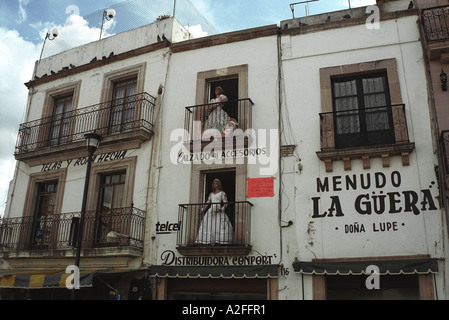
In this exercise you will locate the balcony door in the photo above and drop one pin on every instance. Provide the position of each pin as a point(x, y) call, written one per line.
point(44, 214)
point(60, 122)
point(111, 200)
point(362, 110)
point(123, 105)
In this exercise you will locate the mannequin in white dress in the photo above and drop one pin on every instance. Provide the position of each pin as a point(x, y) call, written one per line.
point(217, 117)
point(215, 228)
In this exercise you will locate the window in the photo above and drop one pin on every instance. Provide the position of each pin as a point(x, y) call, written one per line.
point(45, 211)
point(362, 111)
point(60, 122)
point(362, 114)
point(112, 188)
point(123, 105)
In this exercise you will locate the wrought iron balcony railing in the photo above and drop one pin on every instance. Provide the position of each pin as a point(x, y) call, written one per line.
point(364, 127)
point(206, 121)
point(212, 224)
point(114, 228)
point(436, 23)
point(109, 118)
point(444, 143)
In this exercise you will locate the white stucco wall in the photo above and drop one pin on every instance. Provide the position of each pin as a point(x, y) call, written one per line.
point(331, 237)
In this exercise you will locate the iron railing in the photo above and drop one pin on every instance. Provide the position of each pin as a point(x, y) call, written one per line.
point(364, 127)
point(444, 143)
point(117, 227)
point(436, 23)
point(210, 224)
point(108, 118)
point(204, 121)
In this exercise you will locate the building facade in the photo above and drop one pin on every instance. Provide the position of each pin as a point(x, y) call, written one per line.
point(373, 201)
point(285, 162)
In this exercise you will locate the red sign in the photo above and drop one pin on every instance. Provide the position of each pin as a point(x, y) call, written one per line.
point(260, 187)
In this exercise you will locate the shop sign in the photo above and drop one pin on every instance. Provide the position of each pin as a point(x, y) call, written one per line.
point(380, 195)
point(105, 157)
point(169, 258)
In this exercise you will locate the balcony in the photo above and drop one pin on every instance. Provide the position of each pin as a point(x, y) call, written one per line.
point(203, 125)
point(364, 134)
point(126, 122)
point(122, 227)
point(436, 28)
point(206, 234)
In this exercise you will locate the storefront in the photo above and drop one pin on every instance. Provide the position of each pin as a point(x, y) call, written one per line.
point(92, 285)
point(394, 278)
point(215, 282)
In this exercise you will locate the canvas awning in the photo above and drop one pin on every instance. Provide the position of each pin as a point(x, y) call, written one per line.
point(41, 279)
point(217, 272)
point(391, 267)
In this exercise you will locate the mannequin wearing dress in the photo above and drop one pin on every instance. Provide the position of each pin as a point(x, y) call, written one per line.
point(218, 118)
point(215, 228)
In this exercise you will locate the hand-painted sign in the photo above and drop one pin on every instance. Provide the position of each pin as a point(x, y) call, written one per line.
point(105, 157)
point(261, 187)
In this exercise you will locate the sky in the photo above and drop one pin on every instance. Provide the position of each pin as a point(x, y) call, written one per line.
point(25, 23)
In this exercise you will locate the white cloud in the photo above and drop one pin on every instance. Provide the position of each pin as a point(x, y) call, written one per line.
point(197, 31)
point(22, 12)
point(75, 32)
point(16, 65)
point(357, 3)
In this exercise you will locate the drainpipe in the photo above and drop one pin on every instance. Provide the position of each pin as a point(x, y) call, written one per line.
point(154, 172)
point(279, 62)
point(153, 178)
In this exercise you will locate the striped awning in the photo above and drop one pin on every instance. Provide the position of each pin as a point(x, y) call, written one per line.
point(215, 272)
point(390, 267)
point(42, 279)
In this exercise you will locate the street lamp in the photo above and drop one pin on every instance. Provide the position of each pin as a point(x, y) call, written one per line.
point(108, 15)
point(92, 142)
point(50, 36)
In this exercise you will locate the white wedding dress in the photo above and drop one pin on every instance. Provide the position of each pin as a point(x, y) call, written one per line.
point(216, 228)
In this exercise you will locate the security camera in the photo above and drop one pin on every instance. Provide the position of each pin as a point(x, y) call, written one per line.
point(111, 13)
point(55, 32)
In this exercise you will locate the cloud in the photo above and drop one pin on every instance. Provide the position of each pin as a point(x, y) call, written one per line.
point(22, 12)
point(197, 31)
point(357, 3)
point(73, 33)
point(17, 64)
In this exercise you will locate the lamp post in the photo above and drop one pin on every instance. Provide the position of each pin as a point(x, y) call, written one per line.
point(54, 34)
point(108, 15)
point(92, 141)
point(443, 78)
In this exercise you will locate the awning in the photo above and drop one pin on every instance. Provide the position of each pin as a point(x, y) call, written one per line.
point(42, 279)
point(391, 267)
point(217, 272)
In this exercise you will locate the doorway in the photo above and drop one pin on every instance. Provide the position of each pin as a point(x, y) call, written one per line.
point(227, 179)
point(230, 90)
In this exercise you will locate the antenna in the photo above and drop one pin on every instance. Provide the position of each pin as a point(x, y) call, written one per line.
point(292, 6)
